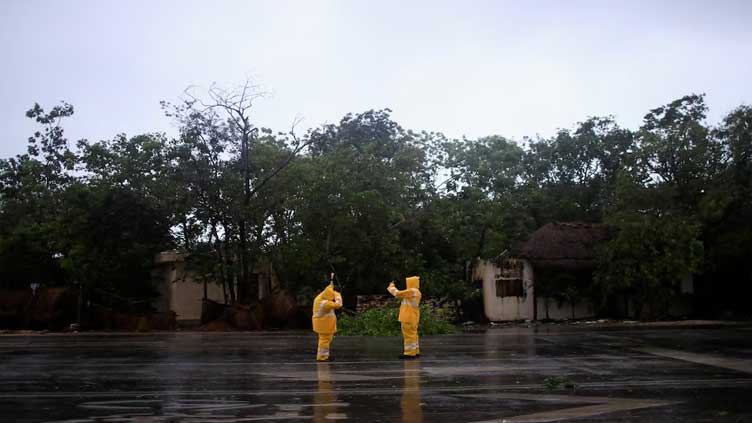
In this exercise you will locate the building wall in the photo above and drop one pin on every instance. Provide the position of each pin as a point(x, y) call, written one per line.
point(582, 310)
point(186, 295)
point(179, 291)
point(497, 308)
point(182, 293)
point(268, 281)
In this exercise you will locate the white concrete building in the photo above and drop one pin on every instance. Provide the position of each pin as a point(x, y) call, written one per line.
point(182, 291)
point(555, 252)
point(549, 276)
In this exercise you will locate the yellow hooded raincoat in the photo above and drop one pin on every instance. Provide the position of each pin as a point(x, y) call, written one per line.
point(324, 320)
point(409, 315)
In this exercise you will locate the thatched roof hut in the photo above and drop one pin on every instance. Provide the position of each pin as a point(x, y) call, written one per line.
point(566, 244)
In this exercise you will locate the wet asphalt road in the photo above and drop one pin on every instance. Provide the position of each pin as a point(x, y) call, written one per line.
point(624, 375)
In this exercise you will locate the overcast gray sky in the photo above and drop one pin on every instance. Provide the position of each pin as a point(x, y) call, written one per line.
point(472, 68)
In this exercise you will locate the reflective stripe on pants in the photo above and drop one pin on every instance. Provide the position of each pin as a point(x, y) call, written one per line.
point(325, 339)
point(410, 337)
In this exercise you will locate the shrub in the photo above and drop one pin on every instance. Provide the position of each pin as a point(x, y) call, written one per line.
point(383, 322)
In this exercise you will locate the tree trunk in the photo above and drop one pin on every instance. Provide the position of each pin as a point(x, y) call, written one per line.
point(230, 274)
point(215, 241)
point(186, 238)
point(481, 241)
point(244, 277)
point(535, 293)
point(243, 256)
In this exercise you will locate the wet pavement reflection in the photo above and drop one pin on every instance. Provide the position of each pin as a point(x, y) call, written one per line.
point(610, 374)
point(326, 406)
point(410, 402)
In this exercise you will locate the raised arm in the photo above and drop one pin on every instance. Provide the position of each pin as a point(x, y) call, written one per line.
point(396, 292)
point(337, 303)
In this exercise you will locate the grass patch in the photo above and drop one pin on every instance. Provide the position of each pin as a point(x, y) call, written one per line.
point(556, 382)
point(383, 322)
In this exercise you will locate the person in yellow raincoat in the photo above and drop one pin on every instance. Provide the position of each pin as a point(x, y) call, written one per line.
point(409, 315)
point(324, 319)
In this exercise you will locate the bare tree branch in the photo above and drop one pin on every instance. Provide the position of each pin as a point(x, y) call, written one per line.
point(298, 146)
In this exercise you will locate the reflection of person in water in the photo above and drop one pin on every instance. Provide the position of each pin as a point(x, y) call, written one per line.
point(410, 403)
point(325, 400)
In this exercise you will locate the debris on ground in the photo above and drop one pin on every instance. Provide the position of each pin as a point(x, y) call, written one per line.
point(218, 325)
point(44, 308)
point(278, 310)
point(108, 319)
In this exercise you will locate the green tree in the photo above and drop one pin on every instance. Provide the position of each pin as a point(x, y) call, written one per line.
point(31, 187)
point(223, 169)
point(678, 153)
point(100, 229)
point(108, 237)
point(570, 176)
point(726, 211)
point(648, 259)
point(357, 200)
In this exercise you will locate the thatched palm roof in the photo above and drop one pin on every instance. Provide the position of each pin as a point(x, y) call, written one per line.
point(565, 244)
